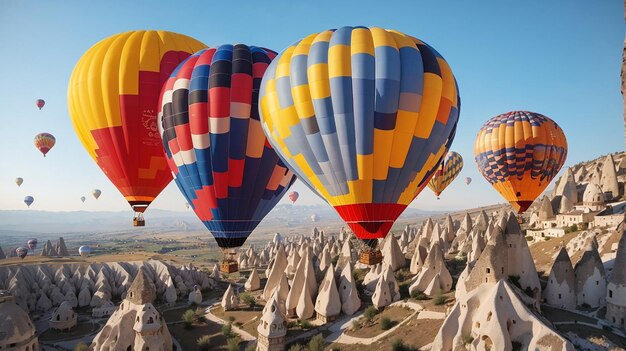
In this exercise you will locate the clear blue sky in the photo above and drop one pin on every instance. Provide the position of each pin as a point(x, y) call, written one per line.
point(559, 58)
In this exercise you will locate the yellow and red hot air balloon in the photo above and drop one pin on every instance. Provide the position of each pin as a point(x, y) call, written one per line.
point(113, 98)
point(448, 170)
point(44, 142)
point(363, 116)
point(519, 153)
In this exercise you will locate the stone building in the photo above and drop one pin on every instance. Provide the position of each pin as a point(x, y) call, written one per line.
point(560, 290)
point(17, 332)
point(616, 289)
point(271, 329)
point(63, 318)
point(590, 278)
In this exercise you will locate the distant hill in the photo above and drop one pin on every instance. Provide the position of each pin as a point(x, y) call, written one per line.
point(66, 222)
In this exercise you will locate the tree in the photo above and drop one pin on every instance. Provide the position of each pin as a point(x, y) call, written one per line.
point(233, 343)
point(248, 299)
point(369, 314)
point(227, 329)
point(188, 318)
point(439, 299)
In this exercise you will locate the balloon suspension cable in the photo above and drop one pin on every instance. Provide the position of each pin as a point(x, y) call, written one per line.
point(229, 263)
point(369, 253)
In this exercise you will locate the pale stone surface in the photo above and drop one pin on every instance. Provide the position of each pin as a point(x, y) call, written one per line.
point(271, 329)
point(195, 296)
point(328, 302)
point(278, 268)
point(230, 300)
point(616, 288)
point(350, 301)
point(433, 267)
point(137, 324)
point(590, 278)
point(254, 281)
point(382, 296)
point(560, 289)
point(63, 318)
point(392, 254)
point(16, 327)
point(494, 315)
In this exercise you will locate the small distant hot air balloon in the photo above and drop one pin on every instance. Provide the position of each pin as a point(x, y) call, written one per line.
point(315, 217)
point(96, 193)
point(40, 103)
point(32, 244)
point(19, 181)
point(84, 251)
point(447, 171)
point(28, 200)
point(44, 142)
point(187, 204)
point(21, 252)
point(293, 196)
point(519, 153)
point(82, 199)
point(468, 180)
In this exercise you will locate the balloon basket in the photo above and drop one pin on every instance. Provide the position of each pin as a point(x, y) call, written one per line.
point(139, 221)
point(229, 266)
point(370, 258)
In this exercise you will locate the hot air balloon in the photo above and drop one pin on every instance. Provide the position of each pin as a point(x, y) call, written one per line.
point(21, 252)
point(363, 116)
point(44, 142)
point(40, 103)
point(32, 244)
point(215, 145)
point(82, 199)
point(315, 217)
point(19, 181)
point(96, 193)
point(293, 196)
point(468, 180)
point(186, 204)
point(447, 171)
point(113, 97)
point(519, 153)
point(28, 200)
point(84, 251)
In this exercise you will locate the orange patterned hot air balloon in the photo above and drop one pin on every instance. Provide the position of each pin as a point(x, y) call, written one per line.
point(44, 142)
point(113, 100)
point(519, 153)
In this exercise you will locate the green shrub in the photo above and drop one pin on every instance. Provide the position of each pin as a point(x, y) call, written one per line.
point(251, 347)
point(305, 324)
point(231, 318)
point(188, 318)
point(296, 347)
point(439, 299)
point(204, 343)
point(529, 238)
point(385, 323)
point(399, 345)
point(418, 295)
point(81, 346)
point(227, 329)
point(233, 343)
point(369, 313)
point(356, 324)
point(317, 343)
point(248, 299)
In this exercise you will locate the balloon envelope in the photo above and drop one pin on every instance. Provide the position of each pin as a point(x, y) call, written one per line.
point(32, 244)
point(28, 200)
point(82, 199)
point(447, 171)
point(40, 103)
point(468, 180)
point(214, 142)
point(293, 196)
point(96, 193)
point(44, 142)
point(21, 252)
point(19, 181)
point(363, 116)
point(519, 153)
point(84, 250)
point(113, 98)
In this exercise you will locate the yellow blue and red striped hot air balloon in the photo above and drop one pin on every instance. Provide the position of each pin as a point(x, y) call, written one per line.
point(448, 170)
point(363, 116)
point(519, 153)
point(44, 142)
point(113, 99)
point(214, 142)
